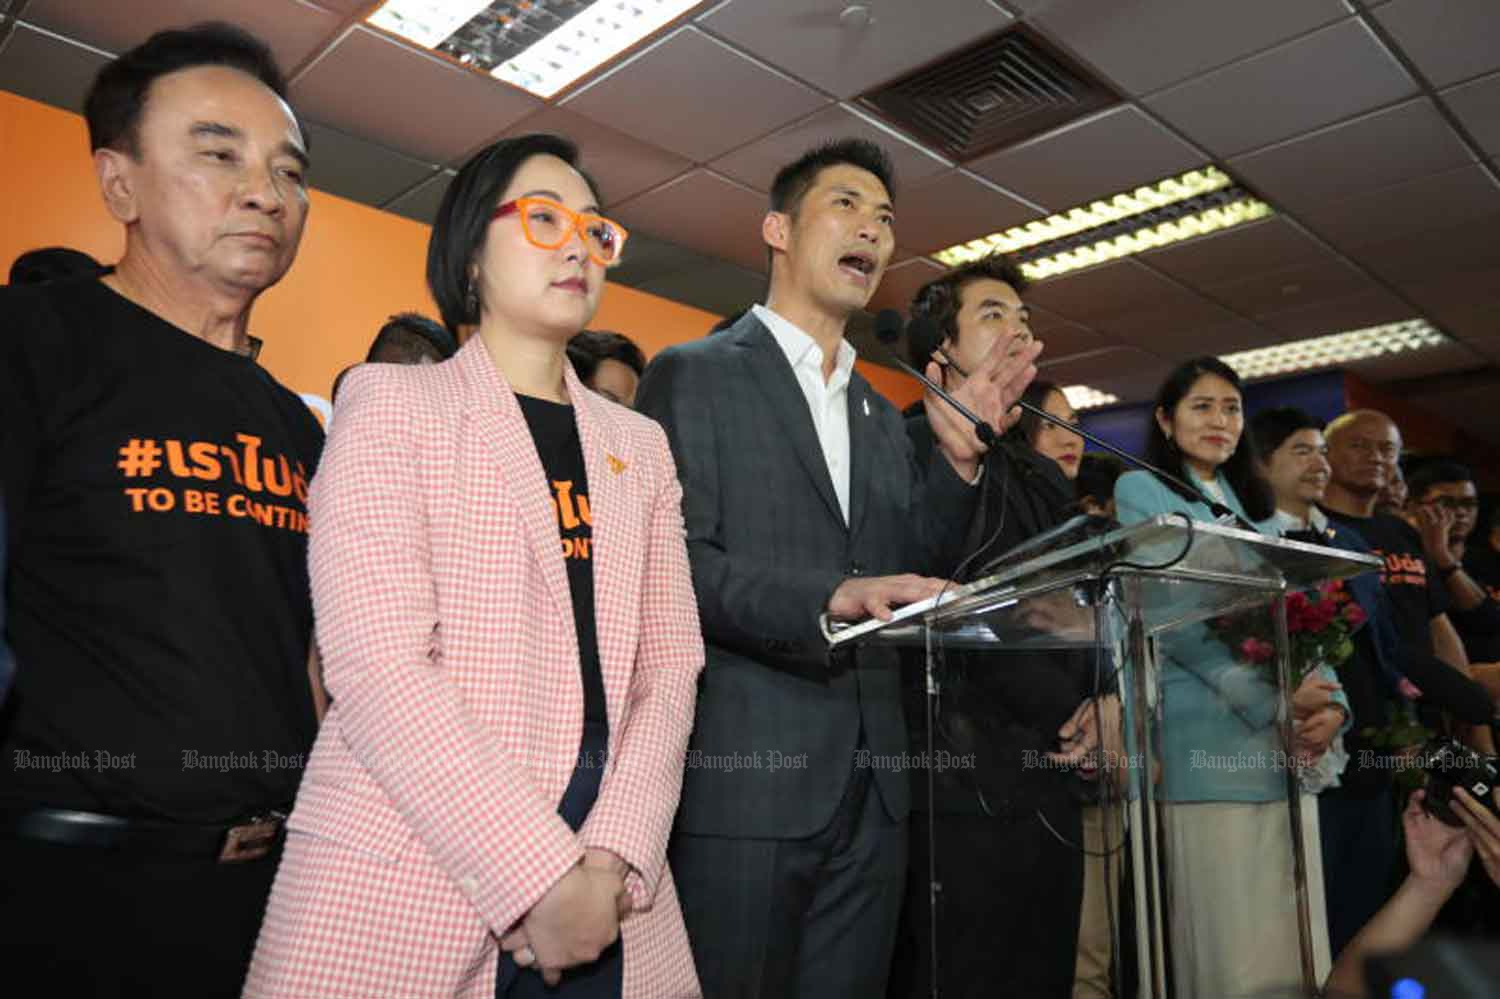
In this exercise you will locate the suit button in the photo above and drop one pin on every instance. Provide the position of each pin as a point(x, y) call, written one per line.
point(856, 568)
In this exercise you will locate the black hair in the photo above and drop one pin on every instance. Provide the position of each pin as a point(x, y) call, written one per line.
point(1434, 472)
point(1097, 473)
point(408, 337)
point(119, 92)
point(940, 299)
point(463, 219)
point(1240, 471)
point(1270, 428)
point(1029, 425)
point(603, 345)
point(795, 179)
point(53, 263)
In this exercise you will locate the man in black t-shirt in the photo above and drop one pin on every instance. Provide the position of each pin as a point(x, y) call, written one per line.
point(156, 600)
point(1443, 506)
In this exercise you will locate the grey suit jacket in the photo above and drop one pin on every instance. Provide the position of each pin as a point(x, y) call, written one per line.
point(779, 717)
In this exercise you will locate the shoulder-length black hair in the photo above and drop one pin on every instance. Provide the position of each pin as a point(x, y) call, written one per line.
point(1240, 470)
point(1029, 425)
point(463, 219)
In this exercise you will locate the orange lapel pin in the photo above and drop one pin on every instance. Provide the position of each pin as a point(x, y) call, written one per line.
point(616, 466)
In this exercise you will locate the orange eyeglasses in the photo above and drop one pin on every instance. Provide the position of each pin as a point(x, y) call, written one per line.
point(548, 225)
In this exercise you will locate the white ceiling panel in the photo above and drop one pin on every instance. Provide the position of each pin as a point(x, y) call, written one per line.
point(902, 282)
point(1107, 292)
point(421, 202)
point(43, 67)
point(704, 211)
point(352, 168)
point(1365, 154)
point(1234, 254)
point(1370, 308)
point(1405, 210)
point(755, 165)
point(1418, 363)
point(1334, 73)
point(1449, 40)
point(845, 56)
point(1104, 154)
point(291, 28)
point(1477, 105)
point(1308, 283)
point(1128, 372)
point(1062, 337)
point(694, 96)
point(414, 102)
point(623, 166)
point(954, 207)
point(1144, 45)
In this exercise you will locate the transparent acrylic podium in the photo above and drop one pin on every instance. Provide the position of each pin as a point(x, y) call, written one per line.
point(1197, 797)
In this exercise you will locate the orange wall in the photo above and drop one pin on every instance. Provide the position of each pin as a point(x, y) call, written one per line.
point(357, 265)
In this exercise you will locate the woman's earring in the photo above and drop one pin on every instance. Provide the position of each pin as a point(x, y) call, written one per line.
point(471, 303)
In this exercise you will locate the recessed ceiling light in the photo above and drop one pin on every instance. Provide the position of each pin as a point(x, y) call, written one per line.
point(1335, 349)
point(1087, 397)
point(539, 45)
point(1192, 204)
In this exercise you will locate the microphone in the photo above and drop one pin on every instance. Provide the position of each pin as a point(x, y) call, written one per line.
point(888, 326)
point(922, 333)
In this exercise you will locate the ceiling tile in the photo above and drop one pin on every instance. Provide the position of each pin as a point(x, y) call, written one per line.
point(1450, 40)
point(1165, 323)
point(1454, 293)
point(352, 168)
point(292, 28)
point(1331, 74)
point(1490, 347)
point(1370, 308)
point(1370, 152)
point(1147, 44)
point(1113, 151)
point(1424, 363)
point(377, 88)
point(1476, 325)
point(1234, 254)
point(902, 282)
point(808, 39)
point(1308, 283)
point(1062, 337)
point(1178, 342)
point(1468, 248)
point(1404, 210)
point(704, 212)
point(1477, 105)
point(344, 8)
point(1108, 292)
point(1128, 372)
point(648, 258)
point(420, 204)
point(43, 67)
point(622, 166)
point(755, 165)
point(713, 285)
point(954, 207)
point(694, 96)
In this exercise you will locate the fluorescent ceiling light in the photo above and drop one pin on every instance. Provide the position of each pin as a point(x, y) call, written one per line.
point(539, 45)
point(1334, 349)
point(1177, 208)
point(1086, 397)
point(1091, 216)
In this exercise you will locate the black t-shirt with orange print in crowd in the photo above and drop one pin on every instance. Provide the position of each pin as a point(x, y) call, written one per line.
point(157, 598)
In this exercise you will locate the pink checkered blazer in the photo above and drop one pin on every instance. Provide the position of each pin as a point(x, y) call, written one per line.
point(426, 823)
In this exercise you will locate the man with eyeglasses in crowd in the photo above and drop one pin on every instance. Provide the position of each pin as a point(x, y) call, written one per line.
point(1443, 506)
point(1362, 446)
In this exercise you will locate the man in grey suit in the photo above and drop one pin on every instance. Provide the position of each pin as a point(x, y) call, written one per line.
point(802, 497)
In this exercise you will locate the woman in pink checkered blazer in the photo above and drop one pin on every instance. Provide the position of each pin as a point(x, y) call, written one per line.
point(509, 637)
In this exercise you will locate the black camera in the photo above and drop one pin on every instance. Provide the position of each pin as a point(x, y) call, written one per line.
point(1449, 764)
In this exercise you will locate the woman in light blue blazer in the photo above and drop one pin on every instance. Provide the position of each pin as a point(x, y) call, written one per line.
point(1231, 906)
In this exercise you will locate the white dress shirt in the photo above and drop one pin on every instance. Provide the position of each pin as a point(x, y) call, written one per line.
point(827, 401)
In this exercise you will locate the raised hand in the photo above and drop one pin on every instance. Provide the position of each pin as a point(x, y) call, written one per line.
point(990, 392)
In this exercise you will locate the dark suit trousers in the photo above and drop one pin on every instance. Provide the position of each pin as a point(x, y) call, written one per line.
point(813, 918)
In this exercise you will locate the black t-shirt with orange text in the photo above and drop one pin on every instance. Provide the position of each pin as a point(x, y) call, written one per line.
point(555, 434)
point(157, 597)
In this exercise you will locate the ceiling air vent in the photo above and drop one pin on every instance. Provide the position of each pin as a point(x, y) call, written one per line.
point(997, 92)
